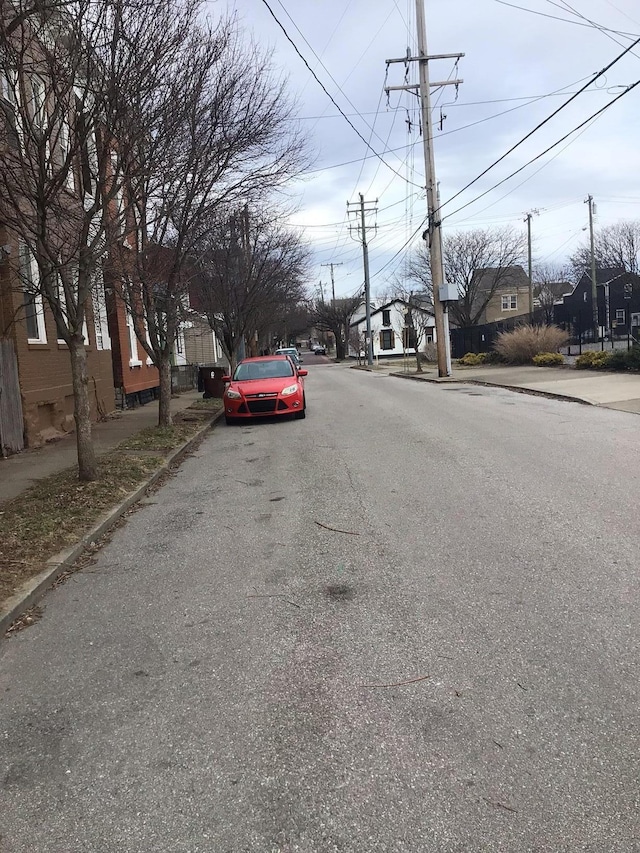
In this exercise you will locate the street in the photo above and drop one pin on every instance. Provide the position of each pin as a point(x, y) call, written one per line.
point(409, 622)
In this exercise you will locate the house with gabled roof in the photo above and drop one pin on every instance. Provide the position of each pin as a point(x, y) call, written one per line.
point(618, 300)
point(398, 328)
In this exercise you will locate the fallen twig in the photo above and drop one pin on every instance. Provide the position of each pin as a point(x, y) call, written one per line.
point(498, 805)
point(399, 683)
point(337, 530)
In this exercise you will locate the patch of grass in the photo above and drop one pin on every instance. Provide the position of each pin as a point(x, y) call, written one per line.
point(210, 405)
point(162, 439)
point(56, 512)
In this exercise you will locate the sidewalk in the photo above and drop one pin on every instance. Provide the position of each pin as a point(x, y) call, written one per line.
point(612, 390)
point(20, 471)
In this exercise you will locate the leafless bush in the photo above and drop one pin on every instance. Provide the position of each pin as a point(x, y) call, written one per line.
point(520, 345)
point(430, 352)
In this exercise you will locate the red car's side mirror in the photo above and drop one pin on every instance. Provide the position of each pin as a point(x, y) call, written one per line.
point(303, 373)
point(226, 379)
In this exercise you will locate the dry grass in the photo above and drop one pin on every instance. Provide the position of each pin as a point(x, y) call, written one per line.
point(520, 345)
point(58, 511)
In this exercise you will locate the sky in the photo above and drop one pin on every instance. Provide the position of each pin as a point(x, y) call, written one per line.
point(522, 61)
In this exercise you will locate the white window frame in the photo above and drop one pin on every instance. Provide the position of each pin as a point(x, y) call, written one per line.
point(39, 97)
point(510, 302)
point(100, 319)
point(63, 302)
point(64, 144)
point(134, 361)
point(621, 317)
point(32, 274)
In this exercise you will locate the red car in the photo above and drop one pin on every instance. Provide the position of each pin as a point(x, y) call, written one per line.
point(263, 387)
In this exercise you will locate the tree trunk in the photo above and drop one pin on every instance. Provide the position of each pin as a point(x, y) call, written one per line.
point(418, 362)
point(164, 404)
point(87, 463)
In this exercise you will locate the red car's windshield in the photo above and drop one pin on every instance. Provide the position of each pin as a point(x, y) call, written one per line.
point(275, 369)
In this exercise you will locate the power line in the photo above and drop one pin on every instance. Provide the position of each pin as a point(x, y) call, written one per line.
point(545, 121)
point(546, 151)
point(564, 20)
point(327, 93)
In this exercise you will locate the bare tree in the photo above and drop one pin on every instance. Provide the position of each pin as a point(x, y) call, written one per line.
point(467, 255)
point(416, 324)
point(220, 132)
point(335, 317)
point(65, 70)
point(550, 283)
point(615, 247)
point(252, 275)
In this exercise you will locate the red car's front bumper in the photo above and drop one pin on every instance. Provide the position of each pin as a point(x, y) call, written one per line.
point(263, 405)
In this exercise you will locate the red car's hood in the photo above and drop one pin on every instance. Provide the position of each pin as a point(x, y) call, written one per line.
point(263, 386)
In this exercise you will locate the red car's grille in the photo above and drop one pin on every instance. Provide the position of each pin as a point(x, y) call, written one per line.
point(260, 407)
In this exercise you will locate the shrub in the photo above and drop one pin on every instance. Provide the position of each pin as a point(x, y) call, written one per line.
point(492, 357)
point(601, 360)
point(548, 359)
point(585, 360)
point(429, 353)
point(520, 345)
point(472, 359)
point(633, 357)
point(615, 360)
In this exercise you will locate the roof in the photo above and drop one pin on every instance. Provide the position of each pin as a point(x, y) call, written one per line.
point(514, 276)
point(414, 306)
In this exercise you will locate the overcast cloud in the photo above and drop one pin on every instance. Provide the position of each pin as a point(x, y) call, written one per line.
point(514, 60)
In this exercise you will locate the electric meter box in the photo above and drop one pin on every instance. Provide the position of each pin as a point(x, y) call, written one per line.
point(448, 293)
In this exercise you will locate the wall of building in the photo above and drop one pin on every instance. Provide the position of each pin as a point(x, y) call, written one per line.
point(494, 312)
point(45, 371)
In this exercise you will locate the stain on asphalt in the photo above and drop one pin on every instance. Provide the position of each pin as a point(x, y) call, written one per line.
point(340, 592)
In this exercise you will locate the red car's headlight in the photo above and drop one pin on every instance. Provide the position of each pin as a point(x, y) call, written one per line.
point(233, 395)
point(290, 389)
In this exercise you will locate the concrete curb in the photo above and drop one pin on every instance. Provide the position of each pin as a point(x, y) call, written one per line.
point(35, 588)
point(518, 389)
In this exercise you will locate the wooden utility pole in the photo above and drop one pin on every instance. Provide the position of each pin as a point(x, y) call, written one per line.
point(528, 219)
point(594, 280)
point(362, 231)
point(433, 234)
point(333, 286)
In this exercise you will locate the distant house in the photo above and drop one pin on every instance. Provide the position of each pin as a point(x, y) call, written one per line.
point(618, 300)
point(548, 294)
point(505, 290)
point(397, 328)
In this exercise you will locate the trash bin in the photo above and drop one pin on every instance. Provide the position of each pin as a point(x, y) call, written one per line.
point(210, 381)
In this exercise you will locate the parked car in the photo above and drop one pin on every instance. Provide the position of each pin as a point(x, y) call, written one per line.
point(293, 354)
point(263, 387)
point(319, 349)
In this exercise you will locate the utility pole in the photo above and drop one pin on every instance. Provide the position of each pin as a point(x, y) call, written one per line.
point(594, 281)
point(333, 286)
point(433, 234)
point(527, 219)
point(362, 230)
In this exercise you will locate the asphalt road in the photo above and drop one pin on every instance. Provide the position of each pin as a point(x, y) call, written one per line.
point(228, 676)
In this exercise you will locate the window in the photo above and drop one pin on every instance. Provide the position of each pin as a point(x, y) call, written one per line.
point(409, 337)
point(134, 360)
point(620, 317)
point(510, 302)
point(65, 163)
point(103, 341)
point(39, 103)
point(387, 339)
point(386, 317)
point(32, 300)
point(8, 86)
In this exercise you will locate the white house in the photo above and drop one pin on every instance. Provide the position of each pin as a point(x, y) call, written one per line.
point(396, 329)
